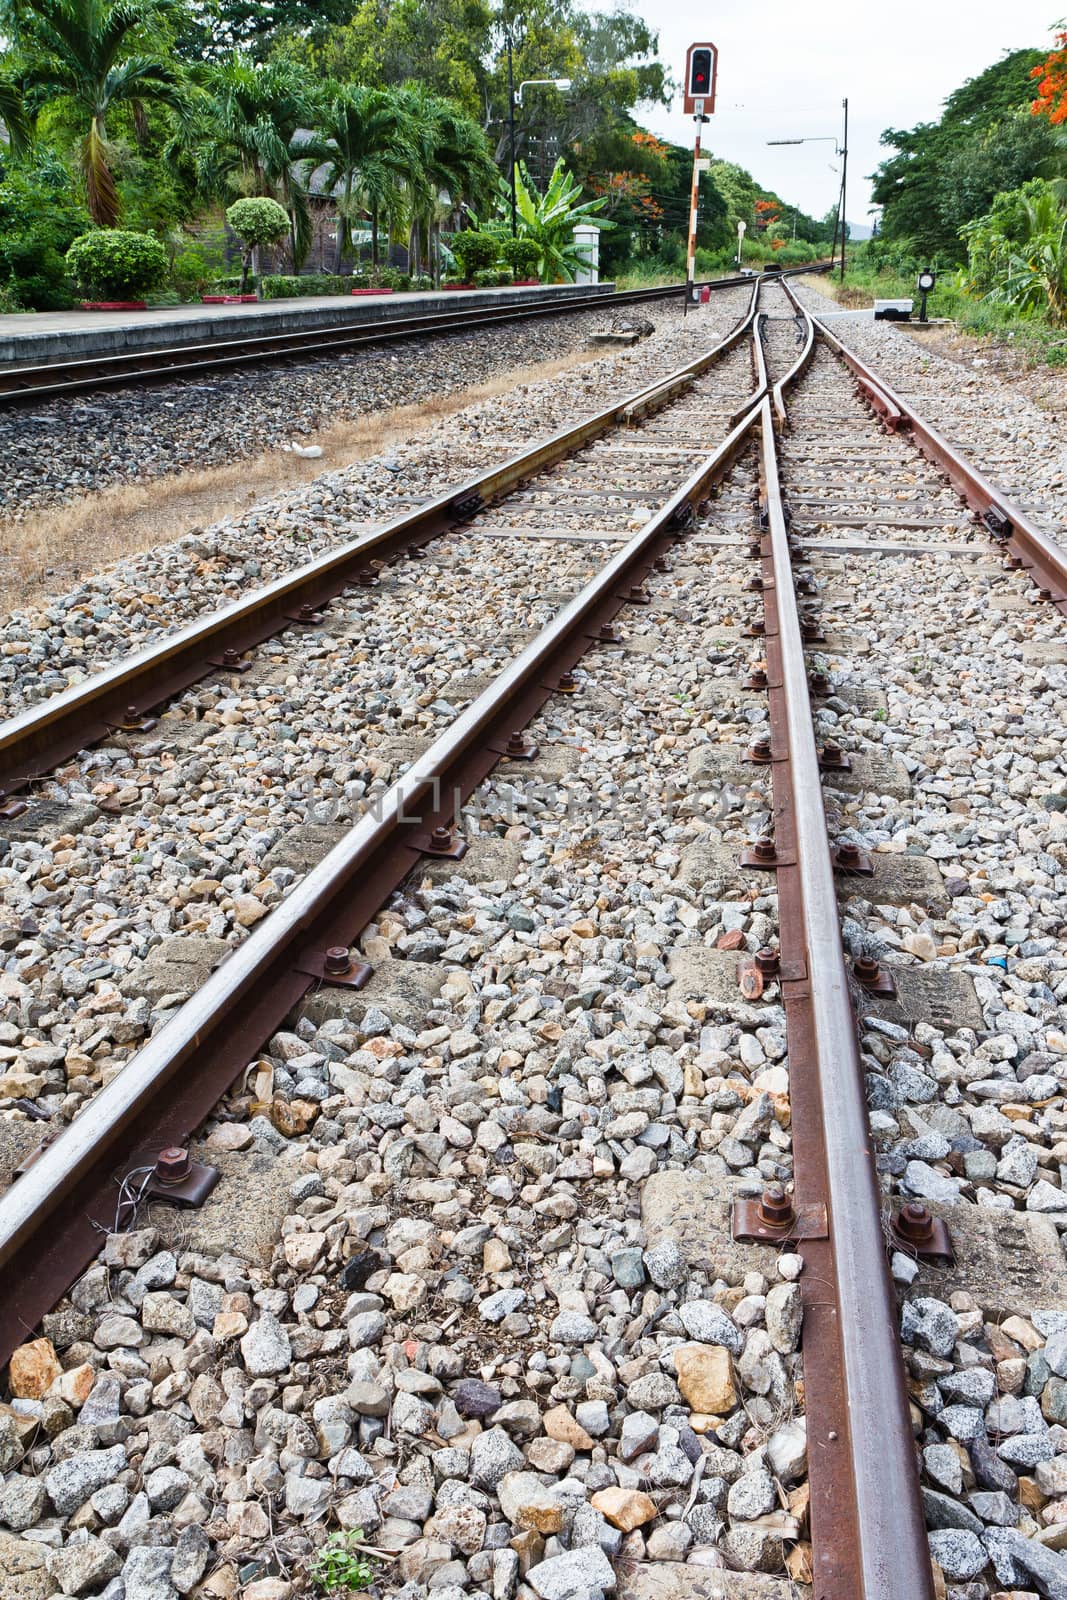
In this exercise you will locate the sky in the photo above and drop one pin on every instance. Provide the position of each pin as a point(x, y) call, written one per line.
point(784, 69)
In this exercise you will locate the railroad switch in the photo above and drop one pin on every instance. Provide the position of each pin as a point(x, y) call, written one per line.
point(179, 1179)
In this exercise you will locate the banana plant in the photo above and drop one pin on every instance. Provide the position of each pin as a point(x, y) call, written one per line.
point(549, 220)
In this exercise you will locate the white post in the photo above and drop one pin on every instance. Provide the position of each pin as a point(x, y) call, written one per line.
point(741, 226)
point(587, 243)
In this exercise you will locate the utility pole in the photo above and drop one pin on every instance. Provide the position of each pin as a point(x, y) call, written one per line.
point(844, 190)
point(511, 138)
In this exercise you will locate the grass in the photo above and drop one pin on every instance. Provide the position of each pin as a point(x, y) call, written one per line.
point(1036, 341)
point(46, 551)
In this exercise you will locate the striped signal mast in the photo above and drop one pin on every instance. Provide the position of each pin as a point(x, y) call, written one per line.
point(701, 71)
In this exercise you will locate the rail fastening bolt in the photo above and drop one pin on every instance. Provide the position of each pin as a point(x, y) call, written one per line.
point(768, 962)
point(516, 744)
point(848, 855)
point(172, 1165)
point(775, 1207)
point(764, 850)
point(867, 971)
point(757, 679)
point(609, 633)
point(441, 841)
point(336, 961)
point(915, 1223)
point(568, 683)
point(760, 750)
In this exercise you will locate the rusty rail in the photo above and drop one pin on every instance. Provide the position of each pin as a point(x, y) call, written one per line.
point(24, 384)
point(40, 737)
point(50, 1217)
point(868, 1534)
point(1032, 549)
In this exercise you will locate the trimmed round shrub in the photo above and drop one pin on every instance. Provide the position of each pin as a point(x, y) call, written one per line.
point(521, 255)
point(475, 252)
point(113, 264)
point(258, 221)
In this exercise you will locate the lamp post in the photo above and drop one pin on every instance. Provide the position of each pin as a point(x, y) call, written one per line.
point(840, 149)
point(562, 84)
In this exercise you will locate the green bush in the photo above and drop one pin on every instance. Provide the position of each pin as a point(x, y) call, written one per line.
point(40, 216)
point(475, 252)
point(114, 264)
point(422, 282)
point(521, 255)
point(194, 268)
point(258, 221)
point(291, 288)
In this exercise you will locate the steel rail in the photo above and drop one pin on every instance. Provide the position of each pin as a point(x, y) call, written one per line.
point(50, 1217)
point(1036, 553)
point(24, 384)
point(868, 1533)
point(40, 737)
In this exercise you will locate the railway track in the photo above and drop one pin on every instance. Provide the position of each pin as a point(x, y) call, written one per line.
point(762, 552)
point(31, 385)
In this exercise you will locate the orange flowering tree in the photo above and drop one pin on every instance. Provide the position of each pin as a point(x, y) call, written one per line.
point(1051, 99)
point(768, 212)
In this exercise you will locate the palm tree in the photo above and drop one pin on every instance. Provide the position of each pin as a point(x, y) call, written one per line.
point(454, 167)
point(96, 55)
point(13, 116)
point(371, 149)
point(260, 134)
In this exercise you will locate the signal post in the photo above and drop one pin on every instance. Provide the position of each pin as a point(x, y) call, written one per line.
point(701, 71)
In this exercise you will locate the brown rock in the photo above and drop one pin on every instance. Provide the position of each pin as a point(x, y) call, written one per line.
point(74, 1385)
point(705, 1378)
point(624, 1508)
point(528, 1503)
point(34, 1368)
point(549, 1455)
point(559, 1424)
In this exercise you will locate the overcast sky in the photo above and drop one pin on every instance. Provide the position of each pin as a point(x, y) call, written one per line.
point(784, 68)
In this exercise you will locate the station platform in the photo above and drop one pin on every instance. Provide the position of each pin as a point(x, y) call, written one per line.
point(29, 338)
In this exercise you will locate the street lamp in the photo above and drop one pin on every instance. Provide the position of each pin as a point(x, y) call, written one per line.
point(562, 84)
point(842, 151)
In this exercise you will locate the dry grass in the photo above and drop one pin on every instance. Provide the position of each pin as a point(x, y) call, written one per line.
point(47, 551)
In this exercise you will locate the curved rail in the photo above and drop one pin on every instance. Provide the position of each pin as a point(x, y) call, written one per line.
point(24, 384)
point(42, 736)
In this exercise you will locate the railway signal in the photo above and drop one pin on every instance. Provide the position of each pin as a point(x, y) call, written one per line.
point(924, 284)
point(701, 71)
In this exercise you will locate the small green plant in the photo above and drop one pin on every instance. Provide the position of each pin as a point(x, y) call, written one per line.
point(259, 221)
point(113, 264)
point(475, 252)
point(521, 255)
point(340, 1565)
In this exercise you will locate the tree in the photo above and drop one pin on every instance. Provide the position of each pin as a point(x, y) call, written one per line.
point(13, 116)
point(214, 29)
point(549, 220)
point(260, 136)
point(371, 148)
point(453, 168)
point(943, 174)
point(256, 222)
point(1051, 75)
point(93, 56)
